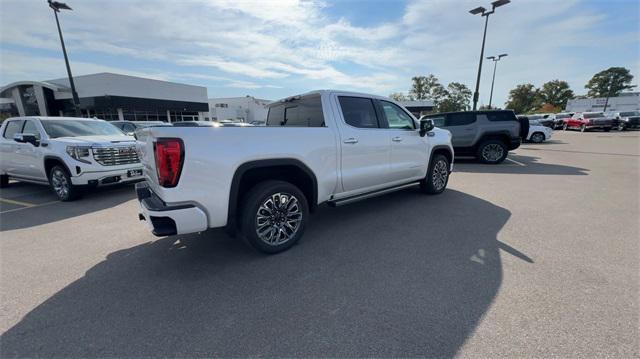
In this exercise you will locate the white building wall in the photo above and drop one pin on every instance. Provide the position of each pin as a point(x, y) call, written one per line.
point(102, 84)
point(244, 109)
point(626, 102)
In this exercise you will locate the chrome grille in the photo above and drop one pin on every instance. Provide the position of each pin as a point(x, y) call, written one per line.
point(114, 156)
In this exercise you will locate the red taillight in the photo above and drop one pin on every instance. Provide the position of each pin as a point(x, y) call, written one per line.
point(169, 157)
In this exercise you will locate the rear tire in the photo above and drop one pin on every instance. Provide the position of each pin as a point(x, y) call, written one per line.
point(564, 127)
point(4, 181)
point(492, 152)
point(274, 216)
point(61, 185)
point(437, 176)
point(607, 129)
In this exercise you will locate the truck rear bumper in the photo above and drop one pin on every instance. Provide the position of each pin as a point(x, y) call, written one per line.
point(167, 220)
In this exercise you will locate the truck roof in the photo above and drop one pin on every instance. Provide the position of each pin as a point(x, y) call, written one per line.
point(327, 91)
point(47, 118)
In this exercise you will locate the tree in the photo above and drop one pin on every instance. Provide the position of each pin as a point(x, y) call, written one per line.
point(426, 87)
point(399, 96)
point(456, 98)
point(555, 93)
point(609, 82)
point(523, 98)
point(549, 108)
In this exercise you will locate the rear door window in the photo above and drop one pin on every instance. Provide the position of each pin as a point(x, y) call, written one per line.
point(461, 119)
point(359, 112)
point(302, 112)
point(506, 116)
point(13, 127)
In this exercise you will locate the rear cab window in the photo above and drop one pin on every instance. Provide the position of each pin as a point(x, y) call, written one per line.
point(297, 112)
point(461, 119)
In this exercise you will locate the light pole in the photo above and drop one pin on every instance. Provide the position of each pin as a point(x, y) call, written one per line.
point(483, 12)
point(57, 6)
point(495, 64)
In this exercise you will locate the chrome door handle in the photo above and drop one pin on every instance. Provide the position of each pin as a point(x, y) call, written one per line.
point(350, 140)
point(397, 139)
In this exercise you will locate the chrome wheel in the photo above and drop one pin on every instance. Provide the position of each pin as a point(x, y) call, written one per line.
point(60, 183)
point(439, 175)
point(583, 128)
point(278, 218)
point(537, 137)
point(492, 152)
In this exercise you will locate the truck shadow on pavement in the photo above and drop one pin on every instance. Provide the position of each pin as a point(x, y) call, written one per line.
point(518, 164)
point(96, 199)
point(399, 275)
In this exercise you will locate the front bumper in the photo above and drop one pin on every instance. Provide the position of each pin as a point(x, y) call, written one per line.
point(166, 220)
point(101, 178)
point(514, 143)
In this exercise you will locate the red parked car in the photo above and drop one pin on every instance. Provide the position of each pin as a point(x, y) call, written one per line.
point(588, 120)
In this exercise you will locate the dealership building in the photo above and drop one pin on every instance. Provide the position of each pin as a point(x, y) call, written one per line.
point(626, 101)
point(238, 109)
point(107, 96)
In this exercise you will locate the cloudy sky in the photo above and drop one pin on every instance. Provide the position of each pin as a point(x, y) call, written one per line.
point(271, 49)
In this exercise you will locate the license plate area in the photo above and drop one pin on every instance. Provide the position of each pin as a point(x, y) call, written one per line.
point(134, 173)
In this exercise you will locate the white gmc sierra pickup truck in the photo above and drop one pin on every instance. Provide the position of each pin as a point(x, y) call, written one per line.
point(67, 153)
point(320, 147)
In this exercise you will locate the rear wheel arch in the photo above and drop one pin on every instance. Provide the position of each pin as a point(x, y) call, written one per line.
point(500, 136)
point(249, 174)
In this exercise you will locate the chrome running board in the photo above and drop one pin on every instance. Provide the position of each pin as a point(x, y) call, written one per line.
point(359, 197)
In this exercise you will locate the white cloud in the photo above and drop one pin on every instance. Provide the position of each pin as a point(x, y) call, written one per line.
point(255, 44)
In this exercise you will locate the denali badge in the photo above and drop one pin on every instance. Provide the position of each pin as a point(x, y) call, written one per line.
point(126, 151)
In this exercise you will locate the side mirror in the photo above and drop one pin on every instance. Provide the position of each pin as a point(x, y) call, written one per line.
point(426, 125)
point(26, 138)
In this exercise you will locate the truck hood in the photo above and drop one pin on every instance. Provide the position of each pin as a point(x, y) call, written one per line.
point(96, 140)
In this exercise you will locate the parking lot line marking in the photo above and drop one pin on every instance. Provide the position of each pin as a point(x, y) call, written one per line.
point(27, 207)
point(19, 203)
point(516, 162)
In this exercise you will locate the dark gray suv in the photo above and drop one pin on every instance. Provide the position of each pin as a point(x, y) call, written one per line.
point(487, 135)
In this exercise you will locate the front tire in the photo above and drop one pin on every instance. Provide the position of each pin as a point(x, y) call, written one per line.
point(621, 127)
point(274, 215)
point(437, 176)
point(60, 182)
point(607, 129)
point(537, 137)
point(564, 127)
point(492, 152)
point(583, 128)
point(4, 181)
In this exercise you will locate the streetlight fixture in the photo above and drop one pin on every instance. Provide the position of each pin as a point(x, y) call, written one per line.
point(57, 6)
point(483, 12)
point(495, 64)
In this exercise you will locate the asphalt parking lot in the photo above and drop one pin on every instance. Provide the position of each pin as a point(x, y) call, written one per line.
point(536, 257)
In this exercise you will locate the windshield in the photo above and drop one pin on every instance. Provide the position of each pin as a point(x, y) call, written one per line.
point(534, 123)
point(563, 115)
point(593, 115)
point(75, 128)
point(630, 113)
point(534, 117)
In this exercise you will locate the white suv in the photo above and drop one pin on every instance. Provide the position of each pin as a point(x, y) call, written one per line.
point(66, 153)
